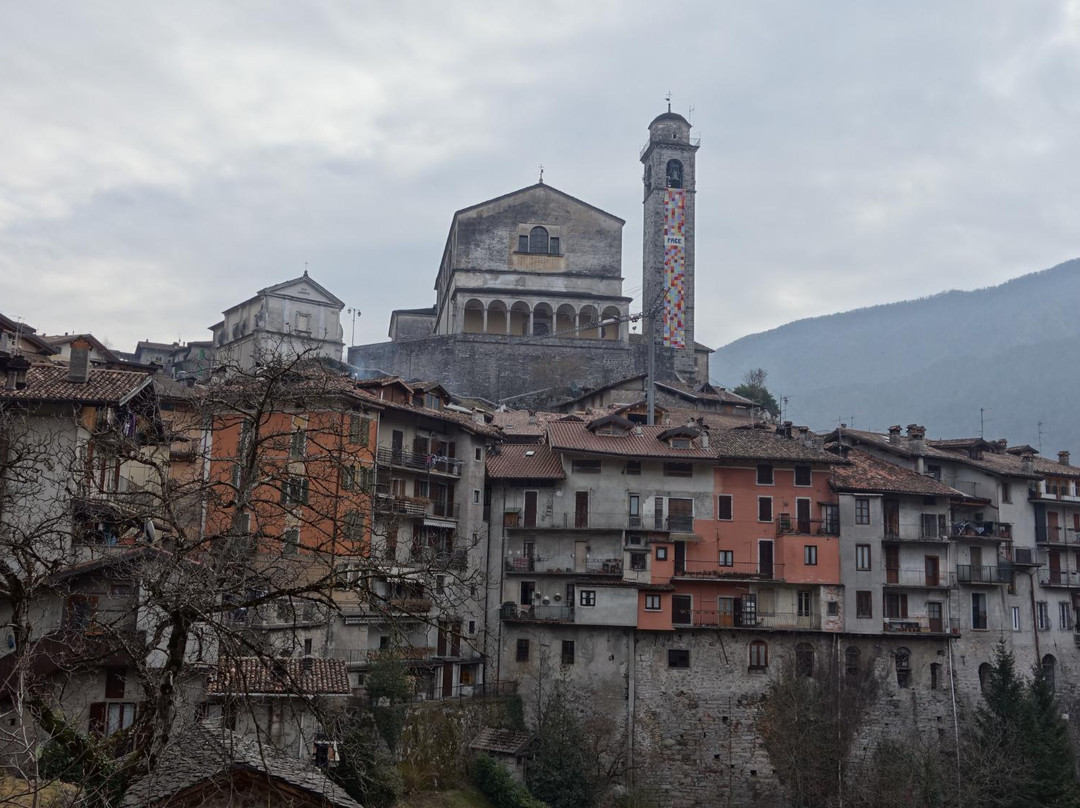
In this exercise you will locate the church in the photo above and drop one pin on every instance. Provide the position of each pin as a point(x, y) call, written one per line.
point(529, 304)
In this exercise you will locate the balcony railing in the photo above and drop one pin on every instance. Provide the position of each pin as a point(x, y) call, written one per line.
point(538, 611)
point(418, 507)
point(916, 578)
point(515, 520)
point(415, 461)
point(915, 531)
point(982, 530)
point(1065, 578)
point(777, 621)
point(364, 656)
point(738, 570)
point(816, 527)
point(1056, 534)
point(921, 624)
point(1064, 493)
point(558, 564)
point(455, 559)
point(981, 574)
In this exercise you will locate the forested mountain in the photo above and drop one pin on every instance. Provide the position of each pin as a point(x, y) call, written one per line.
point(1012, 349)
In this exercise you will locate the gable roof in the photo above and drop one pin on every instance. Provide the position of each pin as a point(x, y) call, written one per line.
point(503, 741)
point(50, 383)
point(870, 474)
point(305, 278)
point(529, 189)
point(758, 444)
point(27, 333)
point(524, 461)
point(642, 441)
point(283, 676)
point(95, 343)
point(206, 751)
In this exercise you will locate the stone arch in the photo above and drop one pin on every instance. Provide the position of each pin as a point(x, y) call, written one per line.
point(984, 676)
point(519, 319)
point(804, 659)
point(496, 317)
point(565, 320)
point(902, 660)
point(1049, 669)
point(588, 323)
point(543, 319)
point(674, 174)
point(538, 240)
point(611, 330)
point(473, 322)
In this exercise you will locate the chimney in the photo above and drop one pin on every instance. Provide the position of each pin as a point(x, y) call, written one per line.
point(1027, 463)
point(1063, 457)
point(306, 664)
point(894, 434)
point(1001, 444)
point(15, 373)
point(79, 364)
point(704, 437)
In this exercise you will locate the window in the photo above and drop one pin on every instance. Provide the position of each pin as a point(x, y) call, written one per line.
point(803, 476)
point(1042, 615)
point(354, 526)
point(984, 676)
point(727, 558)
point(804, 659)
point(933, 471)
point(759, 655)
point(851, 661)
point(678, 658)
point(359, 429)
point(567, 652)
point(765, 474)
point(633, 467)
point(935, 675)
point(896, 606)
point(864, 604)
point(585, 466)
point(832, 608)
point(1006, 492)
point(764, 509)
point(294, 491)
point(678, 469)
point(674, 173)
point(298, 444)
point(538, 240)
point(478, 453)
point(1049, 665)
point(587, 597)
point(120, 716)
point(1064, 616)
point(661, 553)
point(652, 603)
point(1015, 618)
point(523, 244)
point(933, 526)
point(634, 510)
point(291, 541)
point(639, 561)
point(903, 667)
point(862, 511)
point(978, 610)
point(522, 650)
point(476, 496)
point(680, 443)
point(723, 507)
point(809, 555)
point(862, 556)
point(803, 601)
point(553, 245)
point(114, 683)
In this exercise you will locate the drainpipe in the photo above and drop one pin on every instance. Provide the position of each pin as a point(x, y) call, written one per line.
point(502, 555)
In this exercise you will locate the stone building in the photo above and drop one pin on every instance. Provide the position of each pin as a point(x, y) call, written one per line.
point(529, 291)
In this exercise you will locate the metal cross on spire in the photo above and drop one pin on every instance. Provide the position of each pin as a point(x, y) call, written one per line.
point(541, 173)
point(668, 99)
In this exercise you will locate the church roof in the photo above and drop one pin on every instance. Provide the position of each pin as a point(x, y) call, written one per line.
point(305, 278)
point(534, 187)
point(669, 116)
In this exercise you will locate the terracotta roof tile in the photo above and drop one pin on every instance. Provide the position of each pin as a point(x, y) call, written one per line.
point(524, 461)
point(571, 436)
point(506, 741)
point(524, 422)
point(757, 444)
point(307, 675)
point(873, 475)
point(996, 463)
point(50, 383)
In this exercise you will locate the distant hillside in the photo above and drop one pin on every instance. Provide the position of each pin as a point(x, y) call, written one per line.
point(1012, 349)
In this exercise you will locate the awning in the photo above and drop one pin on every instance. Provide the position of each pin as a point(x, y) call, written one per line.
point(439, 523)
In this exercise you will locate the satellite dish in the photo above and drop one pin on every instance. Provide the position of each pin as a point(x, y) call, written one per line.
point(149, 531)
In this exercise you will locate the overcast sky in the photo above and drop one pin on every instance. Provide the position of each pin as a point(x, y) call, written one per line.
point(160, 162)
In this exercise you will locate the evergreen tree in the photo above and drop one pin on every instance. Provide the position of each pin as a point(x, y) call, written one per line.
point(1003, 725)
point(1053, 763)
point(561, 774)
point(753, 388)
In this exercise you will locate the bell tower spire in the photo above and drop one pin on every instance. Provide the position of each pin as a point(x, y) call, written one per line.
point(668, 249)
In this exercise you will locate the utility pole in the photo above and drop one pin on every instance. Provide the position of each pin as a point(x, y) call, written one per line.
point(355, 312)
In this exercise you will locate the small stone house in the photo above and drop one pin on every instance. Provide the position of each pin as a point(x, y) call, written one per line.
point(509, 747)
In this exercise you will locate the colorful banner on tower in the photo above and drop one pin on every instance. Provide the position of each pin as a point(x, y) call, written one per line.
point(672, 315)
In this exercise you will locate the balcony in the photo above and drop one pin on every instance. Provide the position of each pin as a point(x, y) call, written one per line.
point(414, 461)
point(1058, 493)
point(737, 571)
point(513, 520)
point(439, 558)
point(367, 656)
point(915, 532)
point(975, 575)
point(548, 613)
point(1060, 535)
point(516, 563)
point(915, 579)
point(989, 531)
point(921, 624)
point(1067, 579)
point(806, 527)
point(774, 621)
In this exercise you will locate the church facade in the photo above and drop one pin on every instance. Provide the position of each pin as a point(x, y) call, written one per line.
point(529, 294)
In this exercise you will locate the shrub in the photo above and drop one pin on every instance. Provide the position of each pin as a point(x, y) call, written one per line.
point(499, 787)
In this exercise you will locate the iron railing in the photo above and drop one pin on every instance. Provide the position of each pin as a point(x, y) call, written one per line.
point(513, 520)
point(921, 624)
point(916, 578)
point(816, 527)
point(416, 461)
point(557, 564)
point(982, 530)
point(1065, 578)
point(983, 574)
point(777, 621)
point(736, 570)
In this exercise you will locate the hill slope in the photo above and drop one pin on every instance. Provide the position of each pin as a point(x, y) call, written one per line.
point(1012, 349)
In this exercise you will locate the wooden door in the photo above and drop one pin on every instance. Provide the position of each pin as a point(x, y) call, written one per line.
point(448, 680)
point(932, 570)
point(581, 556)
point(765, 558)
point(581, 509)
point(680, 557)
point(802, 515)
point(680, 514)
point(397, 443)
point(1055, 567)
point(892, 565)
point(530, 509)
point(934, 618)
point(1053, 529)
point(680, 610)
point(440, 646)
point(725, 610)
point(891, 515)
point(976, 564)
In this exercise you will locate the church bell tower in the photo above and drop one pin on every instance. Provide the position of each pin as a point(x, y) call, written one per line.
point(668, 250)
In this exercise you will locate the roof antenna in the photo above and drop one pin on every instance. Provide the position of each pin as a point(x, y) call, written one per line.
point(668, 99)
point(1039, 441)
point(690, 114)
point(541, 173)
point(305, 269)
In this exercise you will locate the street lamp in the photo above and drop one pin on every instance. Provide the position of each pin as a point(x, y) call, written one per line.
point(355, 312)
